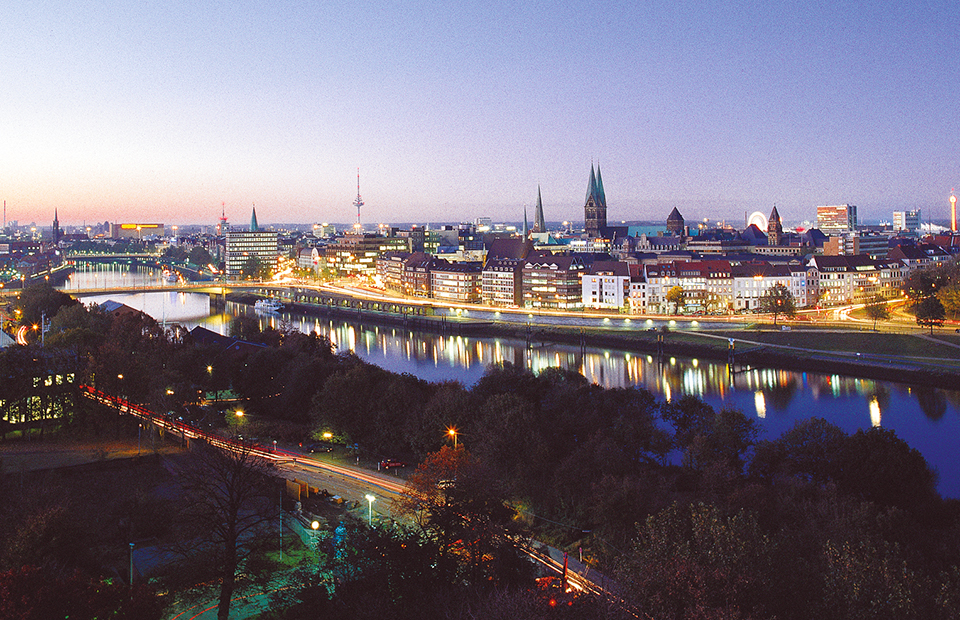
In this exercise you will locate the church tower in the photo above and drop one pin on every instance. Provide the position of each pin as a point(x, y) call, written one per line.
point(254, 227)
point(539, 224)
point(56, 228)
point(595, 207)
point(774, 228)
point(675, 223)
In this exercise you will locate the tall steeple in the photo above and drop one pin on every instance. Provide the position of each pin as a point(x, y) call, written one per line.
point(526, 226)
point(539, 223)
point(56, 227)
point(595, 207)
point(774, 228)
point(253, 220)
point(601, 197)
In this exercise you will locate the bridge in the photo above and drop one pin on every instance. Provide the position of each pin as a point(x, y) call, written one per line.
point(108, 256)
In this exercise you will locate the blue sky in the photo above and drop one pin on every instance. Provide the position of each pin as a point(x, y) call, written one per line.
point(164, 110)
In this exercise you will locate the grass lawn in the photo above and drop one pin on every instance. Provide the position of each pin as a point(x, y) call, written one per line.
point(872, 343)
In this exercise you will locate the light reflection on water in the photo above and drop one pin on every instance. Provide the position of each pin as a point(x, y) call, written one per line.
point(928, 419)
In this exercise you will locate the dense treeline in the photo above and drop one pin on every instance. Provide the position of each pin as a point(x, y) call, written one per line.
point(689, 508)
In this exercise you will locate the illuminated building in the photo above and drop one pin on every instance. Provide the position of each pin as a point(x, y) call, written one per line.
point(243, 245)
point(553, 282)
point(835, 219)
point(906, 221)
point(135, 231)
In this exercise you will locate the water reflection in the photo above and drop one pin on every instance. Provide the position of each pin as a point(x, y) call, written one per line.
point(926, 418)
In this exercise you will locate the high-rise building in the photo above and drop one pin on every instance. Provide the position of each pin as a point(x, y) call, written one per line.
point(906, 221)
point(595, 207)
point(836, 219)
point(251, 250)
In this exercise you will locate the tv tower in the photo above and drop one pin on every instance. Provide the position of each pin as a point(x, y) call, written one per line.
point(359, 201)
point(953, 211)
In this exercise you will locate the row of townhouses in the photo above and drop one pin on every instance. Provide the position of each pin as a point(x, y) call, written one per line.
point(576, 281)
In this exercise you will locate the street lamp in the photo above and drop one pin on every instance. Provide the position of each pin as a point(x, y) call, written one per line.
point(453, 433)
point(370, 499)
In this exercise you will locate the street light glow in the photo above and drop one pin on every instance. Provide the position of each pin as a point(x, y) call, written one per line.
point(370, 498)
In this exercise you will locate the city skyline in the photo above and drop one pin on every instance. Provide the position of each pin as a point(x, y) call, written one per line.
point(453, 112)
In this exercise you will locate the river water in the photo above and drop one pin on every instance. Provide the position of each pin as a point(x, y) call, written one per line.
point(927, 418)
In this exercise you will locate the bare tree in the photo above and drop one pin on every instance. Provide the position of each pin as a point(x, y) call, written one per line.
point(877, 310)
point(229, 502)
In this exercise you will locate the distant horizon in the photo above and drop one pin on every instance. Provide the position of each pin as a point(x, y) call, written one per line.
point(456, 110)
point(929, 216)
point(552, 225)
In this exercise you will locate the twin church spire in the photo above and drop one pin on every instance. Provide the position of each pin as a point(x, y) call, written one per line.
point(595, 206)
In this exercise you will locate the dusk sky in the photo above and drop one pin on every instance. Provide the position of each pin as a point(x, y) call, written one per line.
point(161, 111)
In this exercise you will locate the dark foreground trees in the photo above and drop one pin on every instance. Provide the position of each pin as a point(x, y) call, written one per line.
point(35, 593)
point(454, 501)
point(228, 503)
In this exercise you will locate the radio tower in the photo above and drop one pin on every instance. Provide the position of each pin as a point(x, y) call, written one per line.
point(359, 201)
point(953, 211)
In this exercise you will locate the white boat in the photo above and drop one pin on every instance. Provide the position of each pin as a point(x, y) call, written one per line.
point(268, 305)
point(170, 276)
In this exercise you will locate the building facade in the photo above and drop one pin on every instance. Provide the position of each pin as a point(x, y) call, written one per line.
point(836, 219)
point(502, 282)
point(553, 282)
point(606, 284)
point(906, 221)
point(261, 246)
point(455, 282)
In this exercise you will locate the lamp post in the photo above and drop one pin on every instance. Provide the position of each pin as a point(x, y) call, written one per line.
point(370, 499)
point(453, 433)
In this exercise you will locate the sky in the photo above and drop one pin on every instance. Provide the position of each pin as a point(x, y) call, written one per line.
point(167, 110)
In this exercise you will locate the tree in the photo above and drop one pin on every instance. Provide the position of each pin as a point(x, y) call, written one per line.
point(255, 269)
point(929, 312)
point(41, 300)
point(810, 451)
point(229, 500)
point(950, 298)
point(452, 499)
point(778, 300)
point(35, 593)
point(877, 310)
point(878, 466)
point(677, 297)
point(199, 256)
point(694, 562)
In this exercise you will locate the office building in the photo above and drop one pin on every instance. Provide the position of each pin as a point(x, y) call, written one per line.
point(906, 221)
point(836, 219)
point(251, 252)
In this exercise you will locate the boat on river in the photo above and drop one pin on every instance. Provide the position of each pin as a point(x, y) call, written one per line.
point(268, 305)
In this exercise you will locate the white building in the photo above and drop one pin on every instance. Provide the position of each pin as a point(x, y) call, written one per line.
point(606, 284)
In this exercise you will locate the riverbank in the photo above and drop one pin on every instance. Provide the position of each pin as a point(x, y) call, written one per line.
point(904, 358)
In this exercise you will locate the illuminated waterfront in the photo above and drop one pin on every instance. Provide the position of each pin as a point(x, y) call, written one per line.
point(928, 419)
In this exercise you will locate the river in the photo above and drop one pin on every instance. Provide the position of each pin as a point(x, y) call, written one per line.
point(927, 418)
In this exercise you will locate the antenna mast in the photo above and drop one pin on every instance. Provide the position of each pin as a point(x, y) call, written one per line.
point(359, 201)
